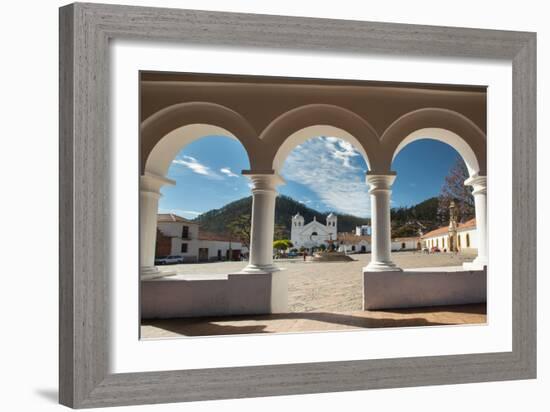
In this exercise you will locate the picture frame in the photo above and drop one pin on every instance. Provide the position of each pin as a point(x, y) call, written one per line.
point(84, 355)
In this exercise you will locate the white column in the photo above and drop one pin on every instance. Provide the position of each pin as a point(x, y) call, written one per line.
point(149, 194)
point(479, 183)
point(380, 193)
point(264, 193)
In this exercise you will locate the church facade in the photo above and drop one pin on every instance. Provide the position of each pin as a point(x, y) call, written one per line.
point(313, 234)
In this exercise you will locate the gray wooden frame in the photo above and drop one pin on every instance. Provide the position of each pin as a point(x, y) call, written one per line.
point(85, 31)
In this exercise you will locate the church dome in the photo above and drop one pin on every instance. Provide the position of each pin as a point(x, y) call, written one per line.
point(331, 215)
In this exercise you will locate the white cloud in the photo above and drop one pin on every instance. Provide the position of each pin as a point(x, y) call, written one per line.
point(227, 171)
point(196, 167)
point(341, 150)
point(324, 166)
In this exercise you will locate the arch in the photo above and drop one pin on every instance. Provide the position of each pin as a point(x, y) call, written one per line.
point(167, 131)
point(443, 125)
point(302, 123)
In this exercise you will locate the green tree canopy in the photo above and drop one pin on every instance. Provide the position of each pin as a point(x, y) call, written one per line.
point(282, 244)
point(240, 228)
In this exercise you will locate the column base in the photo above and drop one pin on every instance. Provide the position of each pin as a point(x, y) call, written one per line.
point(479, 263)
point(382, 267)
point(152, 272)
point(252, 268)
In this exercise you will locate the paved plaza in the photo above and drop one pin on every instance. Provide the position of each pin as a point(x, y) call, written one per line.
point(322, 296)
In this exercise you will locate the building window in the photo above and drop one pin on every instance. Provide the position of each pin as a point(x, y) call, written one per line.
point(467, 240)
point(403, 245)
point(185, 232)
point(459, 245)
point(184, 248)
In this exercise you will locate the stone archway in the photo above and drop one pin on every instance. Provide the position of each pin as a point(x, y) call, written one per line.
point(163, 135)
point(296, 126)
point(461, 134)
point(165, 132)
point(270, 116)
point(444, 125)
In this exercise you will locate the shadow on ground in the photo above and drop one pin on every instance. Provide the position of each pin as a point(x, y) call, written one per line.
point(474, 309)
point(313, 321)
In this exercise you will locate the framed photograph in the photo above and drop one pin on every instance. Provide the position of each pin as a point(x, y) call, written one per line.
point(257, 205)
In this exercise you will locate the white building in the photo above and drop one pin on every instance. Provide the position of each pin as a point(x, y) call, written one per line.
point(314, 233)
point(363, 230)
point(353, 243)
point(181, 237)
point(405, 243)
point(442, 238)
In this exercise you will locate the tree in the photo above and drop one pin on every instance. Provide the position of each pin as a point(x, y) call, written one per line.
point(282, 244)
point(280, 232)
point(455, 189)
point(240, 228)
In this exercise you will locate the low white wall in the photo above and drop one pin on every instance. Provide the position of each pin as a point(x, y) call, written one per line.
point(183, 296)
point(423, 287)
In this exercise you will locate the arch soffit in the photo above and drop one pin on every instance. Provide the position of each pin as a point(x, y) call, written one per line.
point(443, 125)
point(167, 131)
point(300, 124)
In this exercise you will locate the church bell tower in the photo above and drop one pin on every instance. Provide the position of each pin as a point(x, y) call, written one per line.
point(295, 228)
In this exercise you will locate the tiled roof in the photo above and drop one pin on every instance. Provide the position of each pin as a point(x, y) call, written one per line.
point(170, 217)
point(352, 238)
point(218, 237)
point(470, 224)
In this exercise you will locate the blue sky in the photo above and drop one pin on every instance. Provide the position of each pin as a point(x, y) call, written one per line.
point(324, 173)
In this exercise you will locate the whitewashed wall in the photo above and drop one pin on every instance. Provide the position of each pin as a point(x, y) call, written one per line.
point(410, 244)
point(442, 241)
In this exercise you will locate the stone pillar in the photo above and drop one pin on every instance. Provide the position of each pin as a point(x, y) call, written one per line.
point(479, 183)
point(149, 194)
point(264, 193)
point(380, 193)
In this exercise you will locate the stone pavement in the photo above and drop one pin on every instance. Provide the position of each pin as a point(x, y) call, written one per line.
point(323, 296)
point(315, 321)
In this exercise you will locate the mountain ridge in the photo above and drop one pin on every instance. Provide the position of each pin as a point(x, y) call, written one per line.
point(216, 220)
point(406, 221)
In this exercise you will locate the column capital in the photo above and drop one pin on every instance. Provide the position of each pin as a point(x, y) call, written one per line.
point(262, 182)
point(478, 182)
point(380, 181)
point(150, 182)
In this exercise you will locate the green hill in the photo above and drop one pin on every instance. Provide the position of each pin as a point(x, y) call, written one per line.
point(216, 220)
point(406, 221)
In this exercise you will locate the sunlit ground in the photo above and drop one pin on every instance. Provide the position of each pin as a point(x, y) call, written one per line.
point(322, 296)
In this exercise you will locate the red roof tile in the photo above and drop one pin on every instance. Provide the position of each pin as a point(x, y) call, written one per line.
point(216, 236)
point(470, 224)
point(170, 217)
